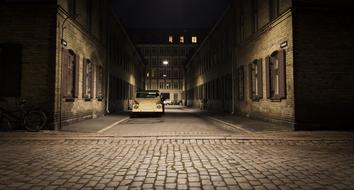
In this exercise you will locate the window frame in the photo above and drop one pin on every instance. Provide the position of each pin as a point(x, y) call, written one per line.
point(73, 75)
point(256, 80)
point(276, 70)
point(88, 80)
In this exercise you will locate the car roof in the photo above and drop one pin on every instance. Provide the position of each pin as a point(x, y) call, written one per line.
point(146, 91)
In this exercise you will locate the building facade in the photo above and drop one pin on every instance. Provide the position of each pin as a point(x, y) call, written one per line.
point(165, 70)
point(165, 53)
point(279, 70)
point(61, 57)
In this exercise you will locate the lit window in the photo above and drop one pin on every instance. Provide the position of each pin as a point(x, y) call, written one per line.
point(170, 39)
point(194, 39)
point(181, 39)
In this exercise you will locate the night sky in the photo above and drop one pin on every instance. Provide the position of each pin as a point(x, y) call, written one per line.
point(169, 13)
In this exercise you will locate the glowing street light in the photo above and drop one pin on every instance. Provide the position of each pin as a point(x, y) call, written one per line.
point(165, 62)
point(164, 75)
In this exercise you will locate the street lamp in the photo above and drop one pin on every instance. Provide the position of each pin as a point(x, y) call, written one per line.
point(165, 62)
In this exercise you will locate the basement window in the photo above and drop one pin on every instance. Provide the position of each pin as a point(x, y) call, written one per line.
point(256, 81)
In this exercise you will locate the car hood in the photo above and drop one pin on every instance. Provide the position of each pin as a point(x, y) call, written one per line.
point(144, 101)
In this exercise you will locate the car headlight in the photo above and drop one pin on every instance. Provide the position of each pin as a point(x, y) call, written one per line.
point(136, 106)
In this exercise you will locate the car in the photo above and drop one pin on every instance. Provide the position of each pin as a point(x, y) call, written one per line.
point(148, 102)
point(167, 102)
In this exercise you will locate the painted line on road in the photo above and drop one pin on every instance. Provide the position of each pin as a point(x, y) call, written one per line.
point(230, 124)
point(114, 124)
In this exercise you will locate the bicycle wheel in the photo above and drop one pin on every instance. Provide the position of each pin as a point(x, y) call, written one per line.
point(5, 124)
point(35, 120)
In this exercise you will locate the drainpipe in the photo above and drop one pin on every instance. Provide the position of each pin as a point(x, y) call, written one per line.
point(108, 80)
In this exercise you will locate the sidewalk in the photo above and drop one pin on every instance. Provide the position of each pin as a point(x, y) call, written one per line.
point(95, 125)
point(248, 124)
point(266, 130)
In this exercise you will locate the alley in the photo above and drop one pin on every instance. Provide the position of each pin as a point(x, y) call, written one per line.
point(177, 121)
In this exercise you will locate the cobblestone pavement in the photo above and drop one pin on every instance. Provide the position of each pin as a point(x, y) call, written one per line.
point(177, 151)
point(175, 163)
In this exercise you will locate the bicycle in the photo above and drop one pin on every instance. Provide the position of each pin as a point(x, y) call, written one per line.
point(31, 119)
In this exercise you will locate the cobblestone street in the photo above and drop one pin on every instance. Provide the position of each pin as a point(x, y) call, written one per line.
point(69, 160)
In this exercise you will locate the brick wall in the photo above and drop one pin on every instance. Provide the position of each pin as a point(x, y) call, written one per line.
point(258, 46)
point(33, 26)
point(209, 81)
point(324, 72)
point(126, 68)
point(86, 43)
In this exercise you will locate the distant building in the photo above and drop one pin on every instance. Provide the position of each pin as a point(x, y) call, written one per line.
point(165, 53)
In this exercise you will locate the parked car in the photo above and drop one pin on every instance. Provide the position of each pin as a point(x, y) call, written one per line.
point(148, 102)
point(167, 102)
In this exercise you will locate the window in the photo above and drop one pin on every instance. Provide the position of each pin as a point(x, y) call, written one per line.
point(256, 82)
point(175, 85)
point(72, 7)
point(241, 83)
point(70, 77)
point(175, 73)
point(175, 97)
point(99, 85)
point(168, 73)
point(275, 75)
point(168, 85)
point(10, 72)
point(161, 85)
point(194, 39)
point(161, 73)
point(87, 84)
point(170, 39)
point(181, 39)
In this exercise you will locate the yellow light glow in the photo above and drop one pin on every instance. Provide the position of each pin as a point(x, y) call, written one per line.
point(194, 39)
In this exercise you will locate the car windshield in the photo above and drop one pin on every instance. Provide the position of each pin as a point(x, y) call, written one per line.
point(147, 94)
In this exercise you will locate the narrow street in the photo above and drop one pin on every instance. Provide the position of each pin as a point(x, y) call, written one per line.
point(176, 122)
point(181, 150)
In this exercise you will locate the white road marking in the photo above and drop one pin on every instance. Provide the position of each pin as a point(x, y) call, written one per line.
point(114, 124)
point(230, 124)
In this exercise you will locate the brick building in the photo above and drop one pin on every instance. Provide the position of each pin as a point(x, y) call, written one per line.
point(289, 61)
point(55, 55)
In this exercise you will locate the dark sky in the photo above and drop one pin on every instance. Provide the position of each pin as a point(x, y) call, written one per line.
point(169, 13)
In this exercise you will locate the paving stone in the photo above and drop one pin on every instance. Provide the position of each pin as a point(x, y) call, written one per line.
point(176, 164)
